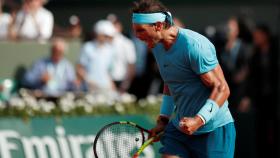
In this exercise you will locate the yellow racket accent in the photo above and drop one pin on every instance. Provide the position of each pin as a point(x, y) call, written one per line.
point(146, 143)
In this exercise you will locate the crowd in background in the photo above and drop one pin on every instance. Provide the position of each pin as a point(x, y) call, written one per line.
point(248, 55)
point(111, 62)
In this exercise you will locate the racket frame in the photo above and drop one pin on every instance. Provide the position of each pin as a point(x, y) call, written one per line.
point(121, 122)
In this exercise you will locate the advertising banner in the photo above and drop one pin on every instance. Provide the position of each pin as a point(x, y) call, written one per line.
point(66, 137)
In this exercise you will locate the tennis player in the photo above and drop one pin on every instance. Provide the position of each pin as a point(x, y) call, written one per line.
point(194, 83)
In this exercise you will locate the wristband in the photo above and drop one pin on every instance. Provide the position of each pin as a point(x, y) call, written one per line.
point(209, 110)
point(167, 105)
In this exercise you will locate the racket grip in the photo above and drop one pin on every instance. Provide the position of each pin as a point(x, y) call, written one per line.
point(135, 156)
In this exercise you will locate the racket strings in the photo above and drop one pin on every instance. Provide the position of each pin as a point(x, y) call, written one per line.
point(119, 141)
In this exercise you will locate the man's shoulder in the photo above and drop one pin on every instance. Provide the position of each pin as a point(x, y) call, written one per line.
point(123, 40)
point(186, 32)
point(88, 46)
point(44, 12)
point(192, 35)
point(195, 40)
point(188, 36)
point(6, 17)
point(41, 62)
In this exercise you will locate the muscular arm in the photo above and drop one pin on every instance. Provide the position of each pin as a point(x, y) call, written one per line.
point(215, 80)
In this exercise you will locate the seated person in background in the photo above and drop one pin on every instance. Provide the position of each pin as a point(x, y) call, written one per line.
point(123, 69)
point(5, 22)
point(96, 58)
point(53, 75)
point(33, 22)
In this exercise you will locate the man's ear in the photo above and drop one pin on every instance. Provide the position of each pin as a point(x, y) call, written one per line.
point(159, 26)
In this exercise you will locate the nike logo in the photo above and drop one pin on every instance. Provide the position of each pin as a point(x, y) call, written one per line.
point(211, 108)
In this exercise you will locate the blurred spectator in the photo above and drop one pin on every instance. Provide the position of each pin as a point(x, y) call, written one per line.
point(140, 83)
point(263, 90)
point(123, 67)
point(73, 30)
point(51, 76)
point(96, 58)
point(141, 55)
point(33, 22)
point(13, 5)
point(235, 59)
point(156, 82)
point(5, 22)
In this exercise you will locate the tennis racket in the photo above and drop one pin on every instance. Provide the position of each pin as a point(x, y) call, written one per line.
point(121, 140)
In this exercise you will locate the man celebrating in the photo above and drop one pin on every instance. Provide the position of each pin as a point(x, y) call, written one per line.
point(203, 126)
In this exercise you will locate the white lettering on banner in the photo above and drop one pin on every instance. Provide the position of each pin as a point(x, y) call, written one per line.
point(89, 151)
point(61, 146)
point(62, 142)
point(5, 145)
point(75, 143)
point(42, 145)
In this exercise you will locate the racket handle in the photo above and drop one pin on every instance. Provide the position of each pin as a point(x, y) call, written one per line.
point(135, 155)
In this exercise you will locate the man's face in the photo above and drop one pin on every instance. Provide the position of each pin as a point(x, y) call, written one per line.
point(34, 4)
point(146, 33)
point(259, 37)
point(233, 28)
point(57, 53)
point(101, 38)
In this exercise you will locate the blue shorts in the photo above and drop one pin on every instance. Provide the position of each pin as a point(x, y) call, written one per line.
point(219, 143)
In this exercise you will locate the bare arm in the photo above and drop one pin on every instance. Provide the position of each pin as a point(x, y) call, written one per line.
point(216, 81)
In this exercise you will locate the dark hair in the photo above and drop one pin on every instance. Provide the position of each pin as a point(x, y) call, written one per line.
point(148, 6)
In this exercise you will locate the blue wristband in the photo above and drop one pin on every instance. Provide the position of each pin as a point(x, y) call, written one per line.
point(167, 105)
point(209, 110)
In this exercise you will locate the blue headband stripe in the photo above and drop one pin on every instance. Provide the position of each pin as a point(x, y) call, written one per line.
point(148, 18)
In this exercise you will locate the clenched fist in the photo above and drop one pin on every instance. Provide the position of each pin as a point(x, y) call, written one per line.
point(189, 125)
